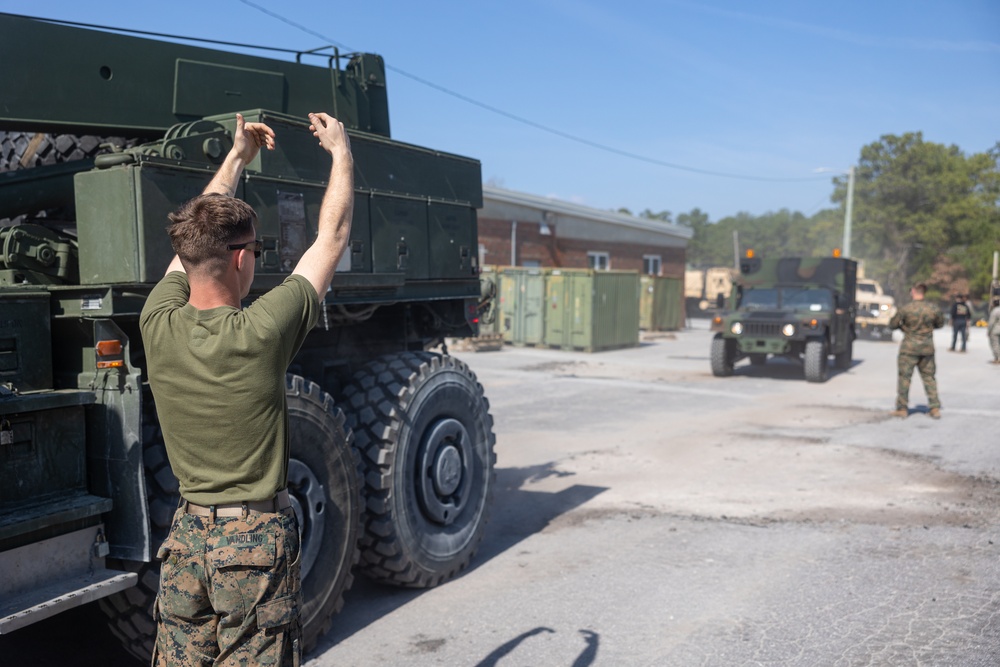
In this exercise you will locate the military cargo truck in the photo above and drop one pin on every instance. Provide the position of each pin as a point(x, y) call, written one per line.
point(875, 309)
point(798, 308)
point(392, 445)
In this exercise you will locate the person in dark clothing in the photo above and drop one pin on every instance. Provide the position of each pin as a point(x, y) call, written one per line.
point(961, 315)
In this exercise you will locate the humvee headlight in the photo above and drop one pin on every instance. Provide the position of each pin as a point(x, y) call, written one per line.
point(788, 329)
point(737, 328)
point(883, 306)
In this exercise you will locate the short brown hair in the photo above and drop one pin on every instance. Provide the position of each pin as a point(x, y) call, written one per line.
point(920, 288)
point(201, 229)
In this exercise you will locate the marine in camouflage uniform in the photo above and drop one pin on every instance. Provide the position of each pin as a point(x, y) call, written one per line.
point(993, 330)
point(917, 320)
point(230, 587)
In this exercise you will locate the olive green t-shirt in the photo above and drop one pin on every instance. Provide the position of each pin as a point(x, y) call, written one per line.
point(218, 377)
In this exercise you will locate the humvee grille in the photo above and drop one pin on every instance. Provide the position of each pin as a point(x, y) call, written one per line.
point(762, 329)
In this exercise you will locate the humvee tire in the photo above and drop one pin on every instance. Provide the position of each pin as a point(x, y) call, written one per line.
point(722, 356)
point(843, 359)
point(325, 490)
point(815, 361)
point(422, 426)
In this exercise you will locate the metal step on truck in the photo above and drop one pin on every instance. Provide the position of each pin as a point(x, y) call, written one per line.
point(392, 445)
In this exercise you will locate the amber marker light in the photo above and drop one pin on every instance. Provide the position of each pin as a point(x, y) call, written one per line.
point(109, 348)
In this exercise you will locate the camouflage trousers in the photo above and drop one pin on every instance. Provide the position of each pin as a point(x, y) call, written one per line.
point(995, 346)
point(924, 363)
point(229, 591)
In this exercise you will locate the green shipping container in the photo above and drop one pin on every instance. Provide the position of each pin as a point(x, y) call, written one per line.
point(661, 304)
point(522, 311)
point(591, 310)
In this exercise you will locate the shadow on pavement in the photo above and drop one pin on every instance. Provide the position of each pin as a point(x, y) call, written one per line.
point(517, 514)
point(81, 638)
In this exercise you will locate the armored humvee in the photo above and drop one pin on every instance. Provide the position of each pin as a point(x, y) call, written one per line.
point(799, 308)
point(392, 444)
point(875, 310)
point(705, 290)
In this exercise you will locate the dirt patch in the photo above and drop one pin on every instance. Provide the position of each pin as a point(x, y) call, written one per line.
point(762, 478)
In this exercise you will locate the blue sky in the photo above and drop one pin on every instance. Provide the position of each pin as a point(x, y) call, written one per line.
point(766, 92)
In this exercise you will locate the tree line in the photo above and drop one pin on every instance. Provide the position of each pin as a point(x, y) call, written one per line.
point(922, 212)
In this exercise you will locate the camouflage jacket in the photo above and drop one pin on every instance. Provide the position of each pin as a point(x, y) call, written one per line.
point(918, 320)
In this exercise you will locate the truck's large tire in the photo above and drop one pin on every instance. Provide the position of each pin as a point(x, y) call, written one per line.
point(723, 353)
point(815, 362)
point(425, 434)
point(24, 150)
point(325, 485)
point(325, 488)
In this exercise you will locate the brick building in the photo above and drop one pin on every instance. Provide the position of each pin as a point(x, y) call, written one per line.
point(518, 229)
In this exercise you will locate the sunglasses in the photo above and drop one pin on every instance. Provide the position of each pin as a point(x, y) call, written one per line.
point(258, 245)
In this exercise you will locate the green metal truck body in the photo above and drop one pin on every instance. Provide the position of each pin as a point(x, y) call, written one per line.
point(799, 308)
point(86, 492)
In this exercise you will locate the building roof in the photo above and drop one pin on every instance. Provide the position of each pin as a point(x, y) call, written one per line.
point(562, 208)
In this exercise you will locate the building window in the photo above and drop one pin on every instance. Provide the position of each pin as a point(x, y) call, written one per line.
point(600, 261)
point(651, 265)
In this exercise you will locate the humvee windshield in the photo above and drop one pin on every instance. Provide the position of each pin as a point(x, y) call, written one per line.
point(759, 298)
point(799, 298)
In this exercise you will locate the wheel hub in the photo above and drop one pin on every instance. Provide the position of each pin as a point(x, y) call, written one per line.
point(309, 503)
point(448, 470)
point(445, 457)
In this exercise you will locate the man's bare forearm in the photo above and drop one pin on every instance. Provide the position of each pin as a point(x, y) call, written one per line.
point(337, 210)
point(333, 231)
point(320, 260)
point(228, 176)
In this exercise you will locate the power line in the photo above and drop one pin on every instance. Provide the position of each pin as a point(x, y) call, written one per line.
point(149, 33)
point(447, 91)
point(534, 124)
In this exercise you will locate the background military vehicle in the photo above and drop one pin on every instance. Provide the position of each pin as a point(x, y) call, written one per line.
point(704, 289)
point(875, 309)
point(103, 134)
point(799, 308)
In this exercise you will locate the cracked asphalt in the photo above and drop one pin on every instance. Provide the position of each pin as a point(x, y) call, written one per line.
point(648, 513)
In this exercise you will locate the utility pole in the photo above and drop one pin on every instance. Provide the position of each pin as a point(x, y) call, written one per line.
point(736, 249)
point(847, 216)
